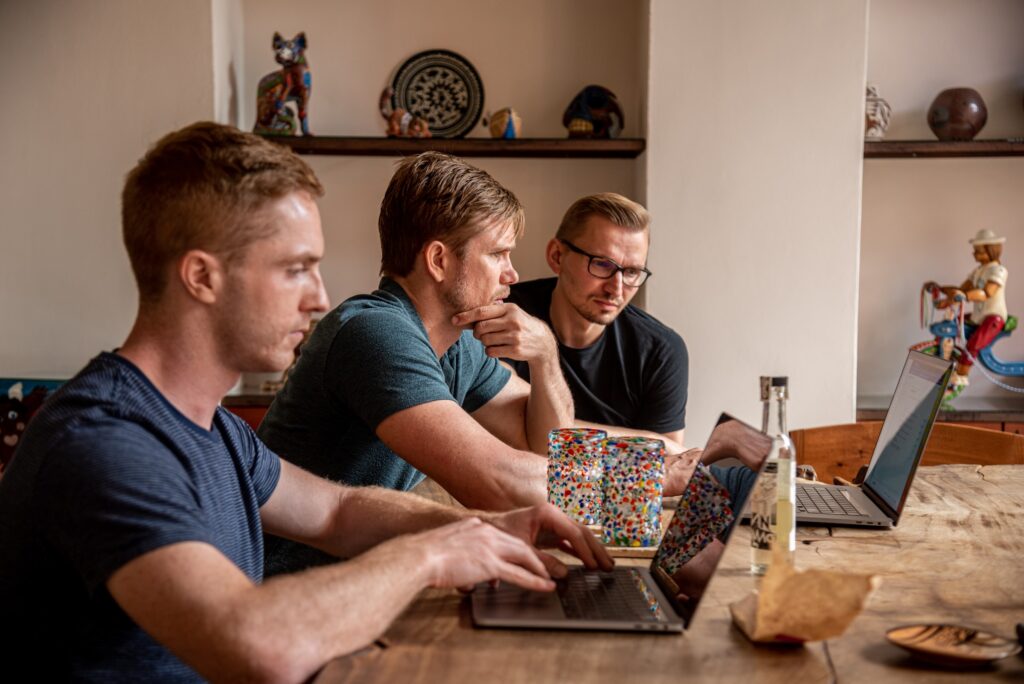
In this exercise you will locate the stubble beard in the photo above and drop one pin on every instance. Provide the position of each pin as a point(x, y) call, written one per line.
point(595, 317)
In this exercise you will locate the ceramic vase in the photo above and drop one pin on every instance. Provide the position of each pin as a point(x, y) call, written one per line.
point(957, 114)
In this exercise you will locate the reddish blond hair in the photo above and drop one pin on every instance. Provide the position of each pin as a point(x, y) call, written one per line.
point(199, 188)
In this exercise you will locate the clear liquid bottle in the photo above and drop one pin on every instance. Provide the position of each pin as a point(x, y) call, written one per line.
point(773, 501)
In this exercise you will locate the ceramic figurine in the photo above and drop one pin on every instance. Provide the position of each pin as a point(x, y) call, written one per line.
point(594, 113)
point(400, 123)
point(877, 113)
point(291, 83)
point(505, 123)
point(985, 286)
point(957, 114)
point(15, 412)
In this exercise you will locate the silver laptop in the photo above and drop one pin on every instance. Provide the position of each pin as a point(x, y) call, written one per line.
point(879, 501)
point(660, 598)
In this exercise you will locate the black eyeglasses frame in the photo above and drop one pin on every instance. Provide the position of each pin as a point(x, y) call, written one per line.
point(618, 269)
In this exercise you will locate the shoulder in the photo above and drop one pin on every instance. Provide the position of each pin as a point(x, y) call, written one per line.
point(534, 296)
point(106, 391)
point(379, 317)
point(995, 272)
point(648, 329)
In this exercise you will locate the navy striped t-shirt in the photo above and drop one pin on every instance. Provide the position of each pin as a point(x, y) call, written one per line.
point(107, 471)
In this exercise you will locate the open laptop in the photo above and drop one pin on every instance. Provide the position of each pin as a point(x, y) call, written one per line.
point(879, 501)
point(660, 598)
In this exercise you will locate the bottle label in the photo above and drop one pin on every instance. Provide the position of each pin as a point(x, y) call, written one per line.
point(761, 508)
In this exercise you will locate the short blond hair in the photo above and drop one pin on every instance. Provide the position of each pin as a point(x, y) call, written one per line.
point(197, 188)
point(435, 196)
point(621, 211)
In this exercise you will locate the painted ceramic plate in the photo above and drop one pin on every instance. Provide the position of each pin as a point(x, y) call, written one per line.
point(953, 645)
point(442, 87)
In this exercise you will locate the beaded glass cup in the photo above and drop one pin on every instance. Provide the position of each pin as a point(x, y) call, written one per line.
point(634, 480)
point(576, 472)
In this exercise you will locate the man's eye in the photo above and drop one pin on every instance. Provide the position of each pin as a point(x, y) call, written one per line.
point(605, 265)
point(297, 270)
point(630, 272)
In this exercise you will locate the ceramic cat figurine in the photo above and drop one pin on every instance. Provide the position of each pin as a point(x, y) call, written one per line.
point(291, 83)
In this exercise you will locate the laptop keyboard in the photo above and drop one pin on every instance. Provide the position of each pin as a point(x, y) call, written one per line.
point(617, 595)
point(817, 499)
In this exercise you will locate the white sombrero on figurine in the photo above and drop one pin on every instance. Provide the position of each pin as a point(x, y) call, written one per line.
point(987, 237)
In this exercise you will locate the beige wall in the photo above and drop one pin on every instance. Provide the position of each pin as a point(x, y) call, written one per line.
point(228, 61)
point(918, 214)
point(90, 85)
point(534, 56)
point(753, 175)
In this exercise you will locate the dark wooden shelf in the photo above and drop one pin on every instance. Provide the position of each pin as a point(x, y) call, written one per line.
point(619, 148)
point(965, 409)
point(905, 149)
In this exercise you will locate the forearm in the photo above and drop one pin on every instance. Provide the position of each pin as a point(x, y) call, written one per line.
point(549, 405)
point(302, 621)
point(199, 604)
point(671, 445)
point(501, 481)
point(367, 516)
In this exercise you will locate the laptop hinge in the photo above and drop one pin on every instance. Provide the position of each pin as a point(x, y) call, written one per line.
point(878, 501)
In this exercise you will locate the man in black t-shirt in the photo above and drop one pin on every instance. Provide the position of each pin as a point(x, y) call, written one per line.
point(625, 369)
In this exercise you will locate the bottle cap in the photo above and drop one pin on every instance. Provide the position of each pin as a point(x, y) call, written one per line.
point(769, 381)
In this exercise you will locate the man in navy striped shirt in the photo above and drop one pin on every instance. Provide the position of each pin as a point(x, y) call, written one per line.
point(131, 517)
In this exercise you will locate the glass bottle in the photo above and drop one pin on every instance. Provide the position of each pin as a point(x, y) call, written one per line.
point(773, 502)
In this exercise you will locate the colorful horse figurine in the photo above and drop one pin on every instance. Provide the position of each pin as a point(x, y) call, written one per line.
point(291, 83)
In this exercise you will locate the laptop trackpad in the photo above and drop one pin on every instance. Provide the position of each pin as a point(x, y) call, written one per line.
point(857, 499)
point(513, 602)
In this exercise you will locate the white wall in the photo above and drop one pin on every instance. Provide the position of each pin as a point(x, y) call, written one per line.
point(753, 177)
point(91, 84)
point(919, 214)
point(534, 56)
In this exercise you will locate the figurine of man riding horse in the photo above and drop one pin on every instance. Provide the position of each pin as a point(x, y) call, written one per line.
point(969, 338)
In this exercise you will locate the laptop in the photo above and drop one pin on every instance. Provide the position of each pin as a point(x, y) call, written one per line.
point(660, 598)
point(879, 501)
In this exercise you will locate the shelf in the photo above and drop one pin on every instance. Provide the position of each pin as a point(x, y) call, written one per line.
point(619, 148)
point(964, 410)
point(903, 149)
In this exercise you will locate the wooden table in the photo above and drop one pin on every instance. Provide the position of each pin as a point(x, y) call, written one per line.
point(957, 556)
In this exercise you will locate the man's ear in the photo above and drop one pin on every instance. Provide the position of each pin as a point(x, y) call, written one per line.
point(202, 275)
point(554, 254)
point(437, 259)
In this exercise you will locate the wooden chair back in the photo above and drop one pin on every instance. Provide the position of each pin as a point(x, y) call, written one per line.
point(842, 449)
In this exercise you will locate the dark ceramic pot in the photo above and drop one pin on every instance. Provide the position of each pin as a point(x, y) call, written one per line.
point(957, 114)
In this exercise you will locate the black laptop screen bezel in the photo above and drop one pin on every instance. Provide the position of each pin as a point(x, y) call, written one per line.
point(665, 583)
point(869, 491)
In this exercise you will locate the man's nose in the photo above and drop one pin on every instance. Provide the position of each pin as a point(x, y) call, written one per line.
point(509, 276)
point(614, 284)
point(317, 301)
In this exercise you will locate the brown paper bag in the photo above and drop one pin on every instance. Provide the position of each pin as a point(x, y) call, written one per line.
point(793, 606)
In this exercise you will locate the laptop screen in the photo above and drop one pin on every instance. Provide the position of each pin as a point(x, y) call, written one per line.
point(906, 428)
point(695, 540)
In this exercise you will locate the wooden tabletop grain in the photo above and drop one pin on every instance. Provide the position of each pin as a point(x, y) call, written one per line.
point(956, 556)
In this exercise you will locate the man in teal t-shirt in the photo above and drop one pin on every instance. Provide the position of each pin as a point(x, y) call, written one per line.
point(406, 381)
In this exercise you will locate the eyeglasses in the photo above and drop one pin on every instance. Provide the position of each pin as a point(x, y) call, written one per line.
point(604, 268)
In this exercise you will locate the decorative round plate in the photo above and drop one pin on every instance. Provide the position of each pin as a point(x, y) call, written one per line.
point(442, 87)
point(953, 645)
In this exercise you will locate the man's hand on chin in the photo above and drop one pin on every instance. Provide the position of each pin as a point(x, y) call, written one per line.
point(508, 332)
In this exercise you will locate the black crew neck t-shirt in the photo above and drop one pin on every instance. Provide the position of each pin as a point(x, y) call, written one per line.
point(635, 375)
